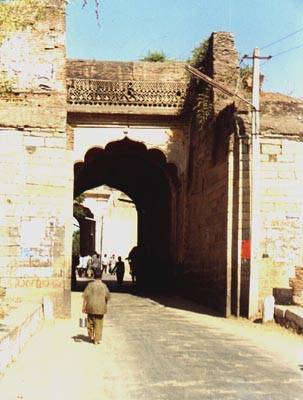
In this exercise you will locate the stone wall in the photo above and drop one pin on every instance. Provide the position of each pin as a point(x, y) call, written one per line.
point(239, 232)
point(281, 211)
point(207, 260)
point(127, 71)
point(36, 183)
point(16, 330)
point(133, 88)
point(281, 114)
point(209, 143)
point(257, 272)
point(276, 247)
point(297, 286)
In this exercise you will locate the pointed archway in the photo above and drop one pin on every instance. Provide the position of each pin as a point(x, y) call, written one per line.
point(150, 181)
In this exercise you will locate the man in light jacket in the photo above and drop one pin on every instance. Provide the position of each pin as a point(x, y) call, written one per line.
point(95, 298)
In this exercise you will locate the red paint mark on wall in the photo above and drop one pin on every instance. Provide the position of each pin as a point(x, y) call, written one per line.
point(245, 250)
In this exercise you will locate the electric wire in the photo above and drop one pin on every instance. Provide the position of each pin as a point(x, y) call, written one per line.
point(282, 52)
point(283, 38)
point(286, 51)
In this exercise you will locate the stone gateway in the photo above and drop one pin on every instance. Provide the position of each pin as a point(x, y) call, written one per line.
point(181, 150)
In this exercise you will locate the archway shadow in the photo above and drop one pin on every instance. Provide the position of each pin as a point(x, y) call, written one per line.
point(173, 299)
point(166, 296)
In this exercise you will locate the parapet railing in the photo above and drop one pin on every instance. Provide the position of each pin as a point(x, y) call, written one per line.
point(126, 93)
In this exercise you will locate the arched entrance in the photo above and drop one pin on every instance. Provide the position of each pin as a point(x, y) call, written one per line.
point(146, 177)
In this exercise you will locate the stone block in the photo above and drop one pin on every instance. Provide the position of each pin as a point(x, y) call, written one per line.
point(282, 295)
point(294, 317)
point(298, 300)
point(268, 309)
point(36, 141)
point(264, 158)
point(286, 158)
point(269, 174)
point(279, 312)
point(55, 142)
point(290, 174)
point(271, 149)
point(48, 308)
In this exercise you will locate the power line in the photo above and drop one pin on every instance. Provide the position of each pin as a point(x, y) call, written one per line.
point(286, 51)
point(283, 52)
point(277, 41)
point(283, 38)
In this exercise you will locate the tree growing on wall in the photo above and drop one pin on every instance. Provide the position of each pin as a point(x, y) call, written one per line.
point(155, 56)
point(78, 210)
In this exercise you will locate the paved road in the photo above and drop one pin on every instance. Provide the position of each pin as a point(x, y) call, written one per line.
point(155, 349)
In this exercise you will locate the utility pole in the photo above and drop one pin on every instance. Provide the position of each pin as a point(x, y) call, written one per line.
point(255, 178)
point(256, 93)
point(255, 189)
point(101, 235)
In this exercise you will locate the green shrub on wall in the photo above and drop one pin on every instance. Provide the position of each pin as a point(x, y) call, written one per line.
point(202, 92)
point(155, 56)
point(199, 53)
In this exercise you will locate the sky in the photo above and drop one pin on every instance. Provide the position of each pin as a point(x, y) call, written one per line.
point(129, 29)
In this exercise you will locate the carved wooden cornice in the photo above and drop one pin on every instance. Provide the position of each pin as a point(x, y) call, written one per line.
point(170, 94)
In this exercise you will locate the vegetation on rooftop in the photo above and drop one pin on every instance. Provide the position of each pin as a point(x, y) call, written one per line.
point(155, 56)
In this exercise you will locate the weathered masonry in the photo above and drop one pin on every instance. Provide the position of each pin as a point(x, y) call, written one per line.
point(180, 150)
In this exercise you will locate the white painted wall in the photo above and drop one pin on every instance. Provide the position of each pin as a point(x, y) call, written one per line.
point(116, 221)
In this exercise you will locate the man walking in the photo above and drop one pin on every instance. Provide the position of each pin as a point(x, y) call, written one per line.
point(95, 298)
point(119, 269)
point(96, 262)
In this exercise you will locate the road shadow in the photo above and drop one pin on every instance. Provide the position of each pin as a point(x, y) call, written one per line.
point(168, 297)
point(175, 300)
point(81, 338)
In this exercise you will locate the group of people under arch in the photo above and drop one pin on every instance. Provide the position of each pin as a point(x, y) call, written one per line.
point(89, 264)
point(137, 258)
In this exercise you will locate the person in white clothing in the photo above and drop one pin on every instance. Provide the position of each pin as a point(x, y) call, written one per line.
point(84, 264)
point(104, 263)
